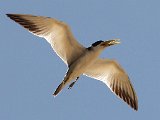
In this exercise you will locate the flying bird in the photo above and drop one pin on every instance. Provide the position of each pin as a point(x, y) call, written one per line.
point(79, 59)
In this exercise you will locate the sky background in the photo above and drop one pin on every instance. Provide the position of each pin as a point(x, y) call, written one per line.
point(31, 71)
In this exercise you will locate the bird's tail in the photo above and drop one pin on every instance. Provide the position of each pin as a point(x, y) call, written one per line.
point(62, 85)
point(59, 88)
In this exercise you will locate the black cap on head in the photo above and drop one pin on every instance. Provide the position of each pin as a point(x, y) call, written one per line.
point(97, 43)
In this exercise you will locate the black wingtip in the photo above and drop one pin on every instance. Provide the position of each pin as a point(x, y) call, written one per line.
point(9, 15)
point(136, 107)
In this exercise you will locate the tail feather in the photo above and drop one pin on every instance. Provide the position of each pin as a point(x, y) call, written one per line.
point(59, 88)
point(62, 85)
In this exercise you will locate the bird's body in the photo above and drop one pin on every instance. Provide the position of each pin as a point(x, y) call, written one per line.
point(83, 63)
point(80, 60)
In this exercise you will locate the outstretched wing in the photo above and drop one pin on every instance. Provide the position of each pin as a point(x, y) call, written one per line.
point(57, 33)
point(111, 73)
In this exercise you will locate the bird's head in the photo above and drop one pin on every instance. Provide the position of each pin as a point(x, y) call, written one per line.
point(104, 44)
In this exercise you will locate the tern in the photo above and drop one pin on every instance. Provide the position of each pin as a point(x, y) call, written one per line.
point(79, 59)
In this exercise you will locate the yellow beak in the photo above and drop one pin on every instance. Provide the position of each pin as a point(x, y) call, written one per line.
point(110, 42)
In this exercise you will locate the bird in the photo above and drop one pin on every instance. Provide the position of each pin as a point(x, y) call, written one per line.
point(80, 60)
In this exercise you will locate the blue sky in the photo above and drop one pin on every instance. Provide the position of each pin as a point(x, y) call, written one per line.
point(31, 71)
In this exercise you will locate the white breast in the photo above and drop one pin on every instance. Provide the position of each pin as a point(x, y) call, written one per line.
point(82, 63)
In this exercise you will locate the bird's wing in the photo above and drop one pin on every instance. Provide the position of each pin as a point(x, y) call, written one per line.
point(111, 73)
point(57, 33)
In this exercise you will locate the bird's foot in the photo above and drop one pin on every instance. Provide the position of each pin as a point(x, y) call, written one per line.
point(71, 85)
